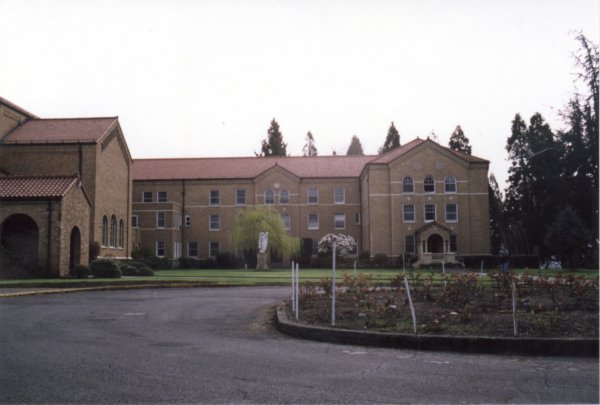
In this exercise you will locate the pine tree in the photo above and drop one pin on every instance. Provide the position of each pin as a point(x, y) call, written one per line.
point(497, 222)
point(309, 148)
point(567, 237)
point(459, 142)
point(273, 145)
point(355, 147)
point(392, 140)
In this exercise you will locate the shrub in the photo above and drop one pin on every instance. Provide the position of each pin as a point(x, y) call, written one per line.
point(226, 260)
point(81, 271)
point(381, 260)
point(364, 256)
point(103, 268)
point(94, 250)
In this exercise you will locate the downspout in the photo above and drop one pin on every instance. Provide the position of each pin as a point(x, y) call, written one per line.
point(49, 241)
point(80, 161)
point(128, 218)
point(183, 214)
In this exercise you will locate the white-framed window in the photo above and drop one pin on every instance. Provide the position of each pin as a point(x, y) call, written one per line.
point(313, 221)
point(453, 243)
point(214, 222)
point(135, 221)
point(429, 185)
point(240, 197)
point(429, 212)
point(284, 197)
point(213, 249)
point(408, 212)
point(160, 248)
point(161, 219)
point(215, 197)
point(339, 221)
point(451, 213)
point(450, 184)
point(313, 196)
point(269, 197)
point(192, 249)
point(408, 185)
point(286, 221)
point(176, 250)
point(161, 196)
point(357, 218)
point(147, 196)
point(339, 195)
point(178, 220)
point(409, 243)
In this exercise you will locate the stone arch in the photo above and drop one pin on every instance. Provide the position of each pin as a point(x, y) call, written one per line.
point(435, 243)
point(74, 248)
point(19, 238)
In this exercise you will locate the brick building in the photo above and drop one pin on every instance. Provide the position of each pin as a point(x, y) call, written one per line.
point(92, 152)
point(420, 199)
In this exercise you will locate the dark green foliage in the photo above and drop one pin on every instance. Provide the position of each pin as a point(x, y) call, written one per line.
point(228, 260)
point(81, 271)
point(392, 140)
point(149, 259)
point(103, 268)
point(355, 147)
point(567, 237)
point(94, 250)
point(459, 142)
point(135, 268)
point(273, 145)
point(381, 260)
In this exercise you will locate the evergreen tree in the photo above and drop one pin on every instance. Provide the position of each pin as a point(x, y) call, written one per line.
point(273, 145)
point(497, 222)
point(567, 237)
point(309, 148)
point(459, 142)
point(392, 140)
point(355, 147)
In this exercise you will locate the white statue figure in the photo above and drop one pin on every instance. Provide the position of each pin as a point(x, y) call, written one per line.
point(263, 240)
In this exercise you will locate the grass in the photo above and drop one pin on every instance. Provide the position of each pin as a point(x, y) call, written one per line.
point(247, 277)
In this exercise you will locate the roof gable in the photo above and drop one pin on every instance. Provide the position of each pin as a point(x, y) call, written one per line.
point(16, 108)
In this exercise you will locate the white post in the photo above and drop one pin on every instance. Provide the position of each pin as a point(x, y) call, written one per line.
point(334, 247)
point(444, 271)
point(293, 290)
point(297, 289)
point(514, 307)
point(355, 268)
point(481, 269)
point(412, 308)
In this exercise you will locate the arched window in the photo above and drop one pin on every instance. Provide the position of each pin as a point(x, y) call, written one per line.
point(407, 185)
point(450, 184)
point(113, 231)
point(104, 231)
point(284, 197)
point(121, 233)
point(269, 197)
point(429, 185)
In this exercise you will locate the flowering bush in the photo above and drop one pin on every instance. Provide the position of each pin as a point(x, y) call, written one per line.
point(344, 244)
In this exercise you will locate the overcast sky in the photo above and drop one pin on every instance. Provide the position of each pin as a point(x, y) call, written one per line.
point(205, 78)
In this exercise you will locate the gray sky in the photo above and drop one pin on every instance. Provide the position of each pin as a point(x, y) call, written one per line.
point(205, 78)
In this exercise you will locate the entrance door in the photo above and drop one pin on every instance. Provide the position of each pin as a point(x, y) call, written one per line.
point(435, 244)
point(75, 249)
point(19, 240)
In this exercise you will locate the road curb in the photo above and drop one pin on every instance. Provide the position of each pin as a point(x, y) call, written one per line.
point(576, 347)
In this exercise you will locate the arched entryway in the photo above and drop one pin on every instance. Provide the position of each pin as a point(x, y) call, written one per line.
point(19, 239)
point(435, 244)
point(75, 248)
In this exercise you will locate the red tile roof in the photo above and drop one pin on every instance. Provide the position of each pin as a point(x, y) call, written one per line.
point(29, 187)
point(61, 130)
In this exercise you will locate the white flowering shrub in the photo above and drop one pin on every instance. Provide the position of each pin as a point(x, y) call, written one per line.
point(344, 244)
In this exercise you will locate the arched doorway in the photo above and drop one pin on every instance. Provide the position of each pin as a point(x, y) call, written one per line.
point(435, 244)
point(75, 248)
point(19, 240)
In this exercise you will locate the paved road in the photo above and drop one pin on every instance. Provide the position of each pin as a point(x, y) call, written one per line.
point(215, 345)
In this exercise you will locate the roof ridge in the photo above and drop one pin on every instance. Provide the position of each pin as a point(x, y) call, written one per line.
point(113, 117)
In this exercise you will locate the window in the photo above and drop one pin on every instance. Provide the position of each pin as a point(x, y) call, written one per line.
point(188, 220)
point(453, 243)
point(135, 221)
point(339, 195)
point(161, 196)
point(104, 231)
point(121, 233)
point(178, 220)
point(429, 185)
point(451, 213)
point(269, 197)
point(160, 220)
point(313, 196)
point(284, 197)
point(429, 212)
point(286, 221)
point(213, 249)
point(215, 197)
point(176, 250)
point(240, 197)
point(340, 221)
point(215, 223)
point(450, 184)
point(192, 249)
point(408, 212)
point(113, 232)
point(160, 248)
point(357, 218)
point(315, 247)
point(407, 185)
point(409, 243)
point(313, 221)
point(147, 196)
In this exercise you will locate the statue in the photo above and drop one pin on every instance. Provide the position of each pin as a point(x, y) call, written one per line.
point(263, 240)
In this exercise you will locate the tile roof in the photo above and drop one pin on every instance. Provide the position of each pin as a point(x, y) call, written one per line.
point(16, 108)
point(30, 187)
point(61, 130)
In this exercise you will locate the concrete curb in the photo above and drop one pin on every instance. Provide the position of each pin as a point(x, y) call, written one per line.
point(576, 347)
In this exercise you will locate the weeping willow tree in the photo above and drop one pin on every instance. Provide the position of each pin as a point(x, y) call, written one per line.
point(250, 223)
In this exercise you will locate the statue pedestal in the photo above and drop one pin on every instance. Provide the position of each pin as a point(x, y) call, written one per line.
point(261, 261)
